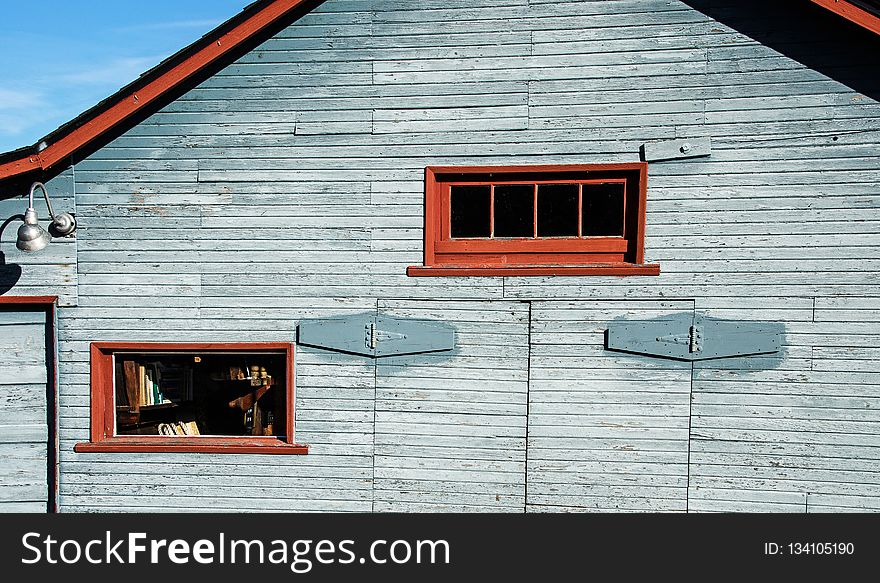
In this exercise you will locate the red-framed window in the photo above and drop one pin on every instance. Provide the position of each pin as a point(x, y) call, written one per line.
point(535, 220)
point(192, 398)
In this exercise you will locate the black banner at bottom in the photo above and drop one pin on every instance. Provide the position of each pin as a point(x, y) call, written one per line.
point(128, 548)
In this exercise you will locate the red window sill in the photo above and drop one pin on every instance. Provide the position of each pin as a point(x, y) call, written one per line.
point(192, 445)
point(533, 270)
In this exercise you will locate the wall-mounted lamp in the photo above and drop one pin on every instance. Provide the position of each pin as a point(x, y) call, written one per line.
point(31, 236)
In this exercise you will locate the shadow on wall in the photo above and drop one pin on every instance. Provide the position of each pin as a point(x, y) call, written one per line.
point(10, 273)
point(808, 34)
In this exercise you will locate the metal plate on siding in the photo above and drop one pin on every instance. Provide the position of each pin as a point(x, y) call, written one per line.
point(692, 337)
point(376, 336)
point(676, 149)
point(727, 338)
point(399, 336)
point(344, 334)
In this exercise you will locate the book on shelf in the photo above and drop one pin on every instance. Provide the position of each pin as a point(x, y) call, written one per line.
point(142, 384)
point(155, 377)
point(150, 389)
point(129, 373)
point(177, 428)
point(148, 386)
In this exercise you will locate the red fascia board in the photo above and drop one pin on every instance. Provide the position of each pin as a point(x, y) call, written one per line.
point(20, 166)
point(852, 13)
point(28, 300)
point(126, 105)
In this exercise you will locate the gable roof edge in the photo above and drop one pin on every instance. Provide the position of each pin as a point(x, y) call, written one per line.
point(852, 12)
point(136, 97)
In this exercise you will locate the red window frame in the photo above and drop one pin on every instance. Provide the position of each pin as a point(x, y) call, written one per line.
point(579, 255)
point(103, 412)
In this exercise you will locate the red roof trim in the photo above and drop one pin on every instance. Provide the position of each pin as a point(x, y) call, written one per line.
point(852, 13)
point(216, 45)
point(125, 104)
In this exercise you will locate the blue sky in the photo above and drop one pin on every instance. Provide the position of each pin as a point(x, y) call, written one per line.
point(60, 57)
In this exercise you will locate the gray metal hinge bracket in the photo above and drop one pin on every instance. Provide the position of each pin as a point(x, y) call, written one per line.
point(376, 336)
point(694, 336)
point(693, 339)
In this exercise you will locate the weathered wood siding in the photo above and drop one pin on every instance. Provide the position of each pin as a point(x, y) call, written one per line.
point(24, 414)
point(290, 186)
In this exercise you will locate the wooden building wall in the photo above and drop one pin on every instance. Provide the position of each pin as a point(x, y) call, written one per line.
point(290, 186)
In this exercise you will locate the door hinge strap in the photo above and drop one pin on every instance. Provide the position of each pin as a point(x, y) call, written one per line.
point(693, 340)
point(694, 336)
point(372, 336)
point(376, 336)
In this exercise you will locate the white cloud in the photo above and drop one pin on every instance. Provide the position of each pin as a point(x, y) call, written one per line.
point(22, 112)
point(18, 99)
point(118, 72)
point(26, 113)
point(173, 25)
point(14, 125)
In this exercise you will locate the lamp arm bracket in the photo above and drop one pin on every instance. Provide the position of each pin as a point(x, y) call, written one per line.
point(42, 187)
point(64, 224)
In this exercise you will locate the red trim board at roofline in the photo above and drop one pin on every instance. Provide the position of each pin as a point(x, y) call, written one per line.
point(853, 13)
point(94, 128)
point(168, 76)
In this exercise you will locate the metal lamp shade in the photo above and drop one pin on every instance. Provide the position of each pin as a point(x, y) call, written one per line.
point(31, 236)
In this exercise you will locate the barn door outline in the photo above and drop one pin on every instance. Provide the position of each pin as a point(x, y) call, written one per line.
point(46, 307)
point(608, 431)
point(451, 427)
point(446, 434)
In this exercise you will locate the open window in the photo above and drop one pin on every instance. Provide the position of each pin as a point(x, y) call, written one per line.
point(213, 398)
point(535, 220)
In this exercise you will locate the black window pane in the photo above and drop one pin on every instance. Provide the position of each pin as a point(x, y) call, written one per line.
point(515, 210)
point(470, 211)
point(558, 210)
point(603, 210)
